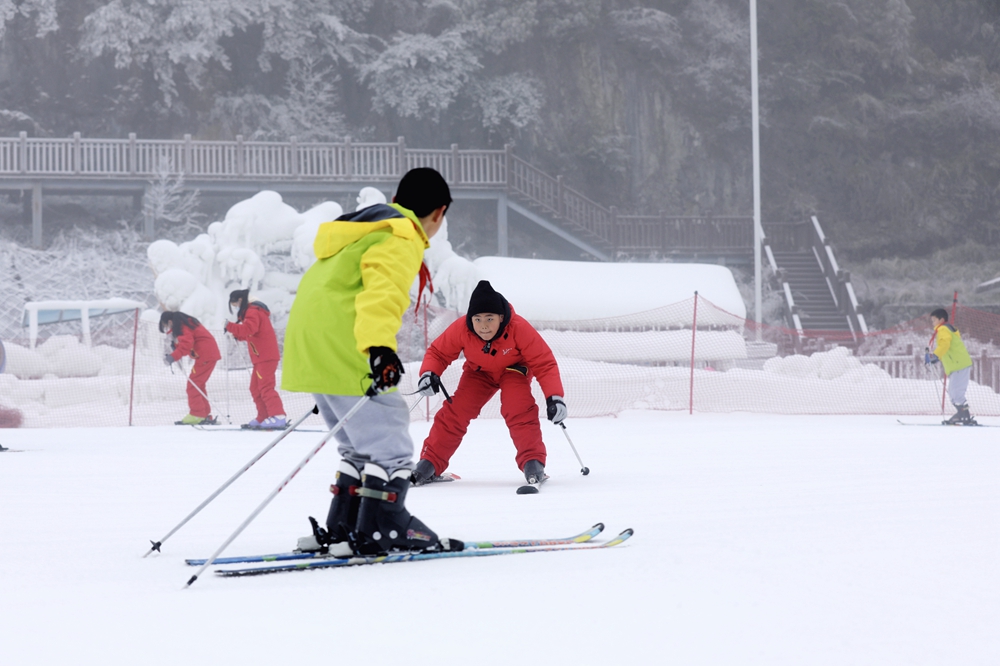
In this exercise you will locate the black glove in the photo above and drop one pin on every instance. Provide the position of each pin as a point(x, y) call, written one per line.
point(929, 358)
point(387, 369)
point(168, 359)
point(556, 409)
point(429, 384)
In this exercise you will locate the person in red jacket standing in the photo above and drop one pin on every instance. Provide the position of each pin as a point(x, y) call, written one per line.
point(253, 325)
point(190, 338)
point(502, 353)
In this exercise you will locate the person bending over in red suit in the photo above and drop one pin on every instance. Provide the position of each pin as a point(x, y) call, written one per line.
point(253, 325)
point(190, 338)
point(502, 353)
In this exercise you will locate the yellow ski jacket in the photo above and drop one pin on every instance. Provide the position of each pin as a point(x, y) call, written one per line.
point(950, 349)
point(351, 299)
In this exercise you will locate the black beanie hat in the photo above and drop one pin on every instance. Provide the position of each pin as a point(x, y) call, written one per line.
point(423, 190)
point(486, 299)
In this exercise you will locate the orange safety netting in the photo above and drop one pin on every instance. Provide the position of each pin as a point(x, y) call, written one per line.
point(689, 356)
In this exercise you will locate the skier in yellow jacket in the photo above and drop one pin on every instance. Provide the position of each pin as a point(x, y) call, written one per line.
point(954, 357)
point(340, 346)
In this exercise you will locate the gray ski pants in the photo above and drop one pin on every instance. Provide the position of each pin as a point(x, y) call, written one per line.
point(379, 432)
point(958, 382)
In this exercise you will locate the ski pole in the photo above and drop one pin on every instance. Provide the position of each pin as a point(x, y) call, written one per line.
point(284, 433)
point(196, 388)
point(333, 431)
point(225, 336)
point(443, 390)
point(583, 470)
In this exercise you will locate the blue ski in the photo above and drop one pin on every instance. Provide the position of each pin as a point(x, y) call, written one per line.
point(471, 545)
point(414, 557)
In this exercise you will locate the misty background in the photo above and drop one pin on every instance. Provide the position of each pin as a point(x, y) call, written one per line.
point(881, 117)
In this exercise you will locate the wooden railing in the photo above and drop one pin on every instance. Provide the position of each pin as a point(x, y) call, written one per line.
point(724, 235)
point(985, 368)
point(197, 160)
point(788, 235)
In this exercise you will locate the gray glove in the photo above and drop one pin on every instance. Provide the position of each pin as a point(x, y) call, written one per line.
point(429, 384)
point(556, 409)
point(168, 359)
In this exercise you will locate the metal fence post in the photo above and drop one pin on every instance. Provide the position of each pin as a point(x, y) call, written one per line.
point(401, 156)
point(36, 215)
point(559, 196)
point(132, 154)
point(23, 157)
point(188, 156)
point(348, 158)
point(614, 231)
point(77, 157)
point(508, 166)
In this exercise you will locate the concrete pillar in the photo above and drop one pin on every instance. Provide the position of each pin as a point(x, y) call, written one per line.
point(502, 248)
point(36, 215)
point(147, 224)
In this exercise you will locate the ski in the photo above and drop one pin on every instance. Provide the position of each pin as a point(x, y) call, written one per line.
point(952, 425)
point(415, 557)
point(582, 537)
point(229, 428)
point(209, 421)
point(447, 477)
point(532, 488)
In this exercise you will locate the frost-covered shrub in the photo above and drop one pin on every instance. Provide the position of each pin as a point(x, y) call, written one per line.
point(25, 363)
point(68, 358)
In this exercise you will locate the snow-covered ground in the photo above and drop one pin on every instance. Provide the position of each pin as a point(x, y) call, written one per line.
point(758, 540)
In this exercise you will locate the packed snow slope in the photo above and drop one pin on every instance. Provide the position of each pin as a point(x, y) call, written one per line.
point(758, 540)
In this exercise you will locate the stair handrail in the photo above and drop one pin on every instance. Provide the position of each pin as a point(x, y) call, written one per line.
point(794, 321)
point(837, 279)
point(561, 201)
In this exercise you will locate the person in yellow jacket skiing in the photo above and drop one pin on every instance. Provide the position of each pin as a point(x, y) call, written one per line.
point(340, 346)
point(954, 357)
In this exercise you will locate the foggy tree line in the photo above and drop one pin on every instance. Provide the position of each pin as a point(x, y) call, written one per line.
point(880, 116)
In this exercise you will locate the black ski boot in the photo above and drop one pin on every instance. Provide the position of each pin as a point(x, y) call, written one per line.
point(961, 417)
point(384, 524)
point(423, 473)
point(335, 539)
point(534, 472)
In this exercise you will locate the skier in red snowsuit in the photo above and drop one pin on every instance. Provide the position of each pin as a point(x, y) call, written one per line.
point(192, 339)
point(253, 325)
point(503, 352)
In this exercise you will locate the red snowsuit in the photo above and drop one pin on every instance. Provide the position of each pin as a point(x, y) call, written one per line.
point(507, 363)
point(199, 344)
point(256, 329)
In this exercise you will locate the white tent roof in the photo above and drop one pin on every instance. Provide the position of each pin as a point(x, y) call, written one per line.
point(544, 290)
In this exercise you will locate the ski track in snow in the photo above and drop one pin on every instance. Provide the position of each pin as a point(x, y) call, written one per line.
point(758, 540)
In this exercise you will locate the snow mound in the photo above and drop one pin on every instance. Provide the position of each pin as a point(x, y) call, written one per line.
point(834, 364)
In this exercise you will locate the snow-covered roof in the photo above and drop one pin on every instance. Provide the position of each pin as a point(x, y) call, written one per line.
point(51, 312)
point(546, 290)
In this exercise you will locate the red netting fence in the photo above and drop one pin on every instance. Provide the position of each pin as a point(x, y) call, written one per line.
point(689, 356)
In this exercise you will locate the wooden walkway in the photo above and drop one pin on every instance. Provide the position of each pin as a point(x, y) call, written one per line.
point(126, 166)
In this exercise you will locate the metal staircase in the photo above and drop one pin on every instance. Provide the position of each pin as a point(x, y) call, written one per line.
point(817, 308)
point(818, 293)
